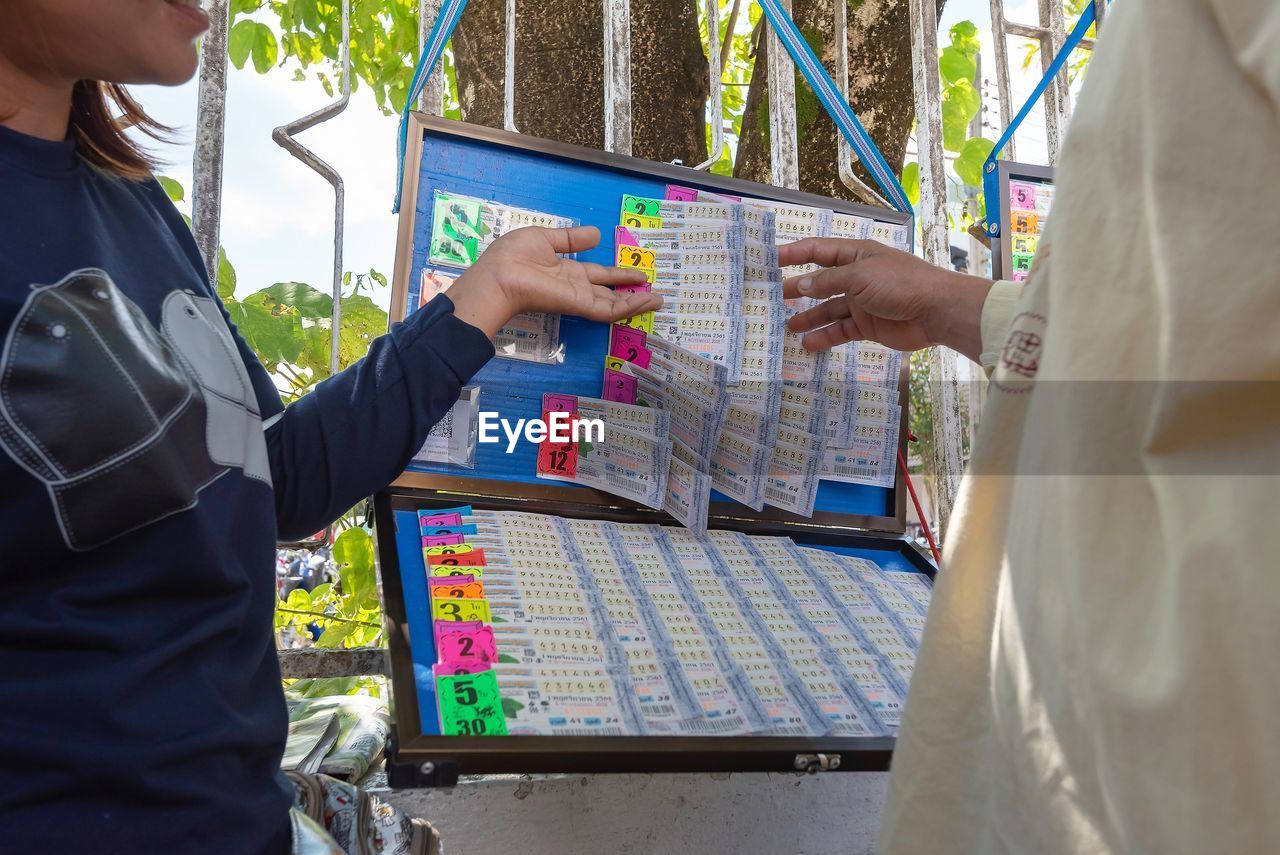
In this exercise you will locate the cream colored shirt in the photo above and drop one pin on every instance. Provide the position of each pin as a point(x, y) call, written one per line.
point(1101, 667)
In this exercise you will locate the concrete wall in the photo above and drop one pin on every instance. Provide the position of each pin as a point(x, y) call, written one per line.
point(640, 814)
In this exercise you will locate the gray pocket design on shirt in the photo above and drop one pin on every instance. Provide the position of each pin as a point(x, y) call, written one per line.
point(109, 413)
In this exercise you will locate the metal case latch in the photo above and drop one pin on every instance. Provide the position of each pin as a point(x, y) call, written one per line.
point(815, 763)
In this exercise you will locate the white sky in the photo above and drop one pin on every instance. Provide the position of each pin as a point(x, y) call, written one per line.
point(277, 215)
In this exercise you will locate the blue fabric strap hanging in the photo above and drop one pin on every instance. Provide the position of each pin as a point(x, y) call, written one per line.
point(441, 31)
point(990, 180)
point(835, 105)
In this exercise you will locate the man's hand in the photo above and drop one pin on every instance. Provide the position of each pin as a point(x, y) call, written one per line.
point(880, 294)
point(522, 272)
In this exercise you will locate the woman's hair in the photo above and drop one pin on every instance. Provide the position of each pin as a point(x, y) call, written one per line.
point(100, 136)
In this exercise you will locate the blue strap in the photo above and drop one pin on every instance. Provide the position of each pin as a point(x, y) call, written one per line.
point(844, 117)
point(441, 31)
point(990, 184)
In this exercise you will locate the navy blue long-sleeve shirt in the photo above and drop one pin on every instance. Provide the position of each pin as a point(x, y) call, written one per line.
point(140, 501)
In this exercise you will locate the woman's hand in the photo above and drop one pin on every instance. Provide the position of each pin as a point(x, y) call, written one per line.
point(881, 294)
point(522, 272)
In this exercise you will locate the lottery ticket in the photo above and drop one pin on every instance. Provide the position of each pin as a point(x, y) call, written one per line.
point(717, 338)
point(643, 420)
point(725, 280)
point(752, 213)
point(748, 424)
point(762, 273)
point(792, 483)
point(803, 409)
point(690, 235)
point(760, 254)
point(453, 439)
point(643, 212)
point(867, 462)
point(738, 469)
point(531, 644)
point(800, 367)
point(695, 422)
point(896, 235)
point(672, 261)
point(850, 226)
point(877, 364)
point(530, 336)
point(626, 464)
point(564, 701)
point(688, 490)
point(700, 301)
point(462, 227)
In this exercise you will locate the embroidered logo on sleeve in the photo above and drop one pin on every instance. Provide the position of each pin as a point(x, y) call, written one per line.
point(124, 424)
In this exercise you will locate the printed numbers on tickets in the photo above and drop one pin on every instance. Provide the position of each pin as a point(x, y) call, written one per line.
point(470, 705)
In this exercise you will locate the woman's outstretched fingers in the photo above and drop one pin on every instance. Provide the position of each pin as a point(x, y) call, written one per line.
point(574, 239)
point(823, 283)
point(598, 274)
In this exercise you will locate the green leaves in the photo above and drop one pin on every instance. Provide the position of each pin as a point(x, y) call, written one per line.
point(226, 276)
point(353, 550)
point(274, 338)
point(960, 103)
point(968, 165)
point(305, 300)
point(252, 39)
point(172, 188)
point(911, 182)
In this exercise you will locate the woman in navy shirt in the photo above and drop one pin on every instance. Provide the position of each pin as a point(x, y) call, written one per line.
point(149, 466)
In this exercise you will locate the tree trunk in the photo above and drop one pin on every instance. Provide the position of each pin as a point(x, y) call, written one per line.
point(559, 73)
point(880, 90)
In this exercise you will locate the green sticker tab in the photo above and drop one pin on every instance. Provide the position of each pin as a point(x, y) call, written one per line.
point(470, 705)
point(456, 230)
point(641, 206)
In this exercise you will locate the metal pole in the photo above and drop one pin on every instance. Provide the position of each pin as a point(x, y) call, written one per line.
point(1056, 96)
point(283, 136)
point(617, 76)
point(714, 73)
point(1004, 94)
point(509, 77)
point(784, 146)
point(932, 213)
point(431, 101)
point(211, 112)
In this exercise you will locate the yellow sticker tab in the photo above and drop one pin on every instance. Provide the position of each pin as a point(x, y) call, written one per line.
point(449, 549)
point(640, 221)
point(635, 257)
point(642, 321)
point(461, 610)
point(441, 570)
point(613, 363)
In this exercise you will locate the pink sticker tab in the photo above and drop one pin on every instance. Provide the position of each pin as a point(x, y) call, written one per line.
point(622, 236)
point(442, 519)
point(468, 646)
point(628, 344)
point(619, 387)
point(676, 193)
point(443, 539)
point(441, 628)
point(556, 403)
point(642, 288)
point(442, 581)
point(453, 669)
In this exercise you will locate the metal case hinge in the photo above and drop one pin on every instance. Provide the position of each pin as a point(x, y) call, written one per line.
point(815, 763)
